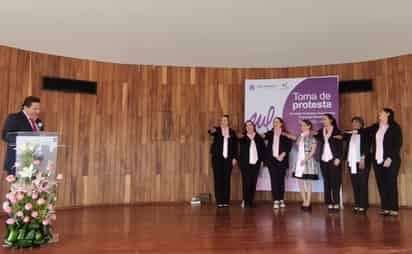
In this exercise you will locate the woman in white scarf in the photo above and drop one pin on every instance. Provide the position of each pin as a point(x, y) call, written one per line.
point(359, 161)
point(250, 160)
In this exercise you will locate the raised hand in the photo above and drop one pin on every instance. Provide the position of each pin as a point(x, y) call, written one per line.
point(240, 135)
point(212, 130)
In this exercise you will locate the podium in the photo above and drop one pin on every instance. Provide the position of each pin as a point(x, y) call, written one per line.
point(30, 204)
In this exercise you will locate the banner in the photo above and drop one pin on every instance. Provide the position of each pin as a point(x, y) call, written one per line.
point(292, 99)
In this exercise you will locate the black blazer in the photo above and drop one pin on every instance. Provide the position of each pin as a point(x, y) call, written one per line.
point(285, 144)
point(364, 144)
point(392, 140)
point(244, 143)
point(14, 123)
point(216, 148)
point(336, 145)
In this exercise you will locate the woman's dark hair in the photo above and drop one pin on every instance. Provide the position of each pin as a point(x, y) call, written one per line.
point(332, 119)
point(359, 120)
point(308, 123)
point(253, 124)
point(391, 117)
point(282, 122)
point(30, 100)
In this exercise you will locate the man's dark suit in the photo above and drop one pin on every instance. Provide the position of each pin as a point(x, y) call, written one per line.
point(16, 122)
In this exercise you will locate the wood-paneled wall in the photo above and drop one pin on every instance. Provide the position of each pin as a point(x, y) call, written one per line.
point(143, 137)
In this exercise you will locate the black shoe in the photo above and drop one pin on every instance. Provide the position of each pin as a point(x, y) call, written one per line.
point(362, 210)
point(219, 206)
point(306, 208)
point(249, 205)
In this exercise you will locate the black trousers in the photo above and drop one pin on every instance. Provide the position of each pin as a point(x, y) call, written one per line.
point(277, 171)
point(332, 182)
point(360, 186)
point(387, 181)
point(250, 174)
point(222, 171)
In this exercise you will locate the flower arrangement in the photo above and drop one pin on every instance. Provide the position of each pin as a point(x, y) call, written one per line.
point(30, 203)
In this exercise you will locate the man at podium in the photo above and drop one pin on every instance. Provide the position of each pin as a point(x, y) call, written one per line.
point(27, 120)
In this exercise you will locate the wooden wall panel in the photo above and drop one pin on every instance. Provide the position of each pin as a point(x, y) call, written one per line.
point(143, 137)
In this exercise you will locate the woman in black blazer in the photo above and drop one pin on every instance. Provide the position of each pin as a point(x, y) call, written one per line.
point(386, 139)
point(331, 153)
point(251, 156)
point(277, 154)
point(358, 157)
point(224, 151)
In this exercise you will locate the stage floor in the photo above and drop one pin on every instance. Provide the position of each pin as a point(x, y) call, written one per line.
point(183, 229)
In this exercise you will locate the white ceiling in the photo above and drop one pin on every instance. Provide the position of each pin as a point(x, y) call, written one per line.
point(240, 33)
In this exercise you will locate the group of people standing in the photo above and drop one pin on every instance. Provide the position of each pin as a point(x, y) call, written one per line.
point(308, 154)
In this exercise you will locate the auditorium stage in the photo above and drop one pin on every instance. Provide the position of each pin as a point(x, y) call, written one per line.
point(183, 229)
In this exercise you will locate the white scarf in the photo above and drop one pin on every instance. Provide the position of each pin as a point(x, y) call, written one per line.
point(354, 153)
point(301, 155)
point(327, 152)
point(276, 139)
point(380, 134)
point(225, 134)
point(253, 154)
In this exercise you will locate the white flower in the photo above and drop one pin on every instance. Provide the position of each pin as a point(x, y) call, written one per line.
point(31, 147)
point(6, 205)
point(27, 172)
point(22, 148)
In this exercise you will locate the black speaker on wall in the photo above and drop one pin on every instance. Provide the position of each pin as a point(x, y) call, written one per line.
point(356, 86)
point(69, 85)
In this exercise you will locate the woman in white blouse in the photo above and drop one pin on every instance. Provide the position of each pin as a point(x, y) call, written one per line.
point(386, 139)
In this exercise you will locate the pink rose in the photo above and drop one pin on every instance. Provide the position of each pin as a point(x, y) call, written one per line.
point(10, 221)
point(35, 195)
point(46, 222)
point(49, 166)
point(20, 196)
point(26, 219)
point(8, 210)
point(19, 214)
point(50, 207)
point(28, 206)
point(10, 178)
point(10, 196)
point(35, 214)
point(13, 201)
point(36, 162)
point(41, 201)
